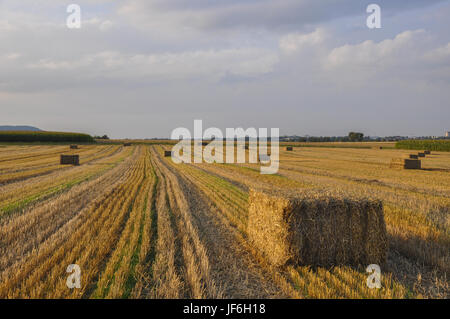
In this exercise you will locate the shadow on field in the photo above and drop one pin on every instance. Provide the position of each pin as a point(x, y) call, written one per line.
point(445, 170)
point(421, 265)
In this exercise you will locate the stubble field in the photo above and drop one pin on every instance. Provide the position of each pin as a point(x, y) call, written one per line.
point(140, 226)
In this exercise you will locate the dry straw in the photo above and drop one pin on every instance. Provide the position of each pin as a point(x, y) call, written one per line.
point(314, 228)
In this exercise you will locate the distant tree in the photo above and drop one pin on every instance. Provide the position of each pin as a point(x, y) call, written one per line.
point(355, 136)
point(104, 137)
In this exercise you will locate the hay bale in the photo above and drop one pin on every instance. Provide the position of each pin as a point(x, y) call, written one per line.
point(70, 160)
point(427, 152)
point(421, 154)
point(289, 148)
point(127, 144)
point(167, 153)
point(405, 163)
point(413, 156)
point(73, 147)
point(377, 147)
point(312, 228)
point(412, 164)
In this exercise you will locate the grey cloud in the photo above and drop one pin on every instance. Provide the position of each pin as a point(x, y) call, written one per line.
point(111, 68)
point(225, 14)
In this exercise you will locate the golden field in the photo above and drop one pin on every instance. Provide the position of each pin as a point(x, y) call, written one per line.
point(140, 226)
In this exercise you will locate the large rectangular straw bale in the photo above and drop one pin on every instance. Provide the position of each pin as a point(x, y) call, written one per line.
point(427, 152)
point(167, 153)
point(414, 156)
point(73, 147)
point(310, 228)
point(421, 154)
point(289, 148)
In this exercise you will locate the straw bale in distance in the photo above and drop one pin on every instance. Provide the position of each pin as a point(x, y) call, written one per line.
point(167, 153)
point(289, 148)
point(412, 164)
point(405, 163)
point(421, 154)
point(414, 156)
point(73, 147)
point(427, 152)
point(310, 228)
point(70, 160)
point(127, 144)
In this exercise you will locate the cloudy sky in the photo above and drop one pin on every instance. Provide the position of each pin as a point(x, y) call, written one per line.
point(141, 68)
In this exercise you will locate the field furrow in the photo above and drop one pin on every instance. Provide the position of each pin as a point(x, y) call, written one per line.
point(140, 226)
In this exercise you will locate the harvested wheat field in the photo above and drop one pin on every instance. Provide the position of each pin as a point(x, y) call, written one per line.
point(140, 226)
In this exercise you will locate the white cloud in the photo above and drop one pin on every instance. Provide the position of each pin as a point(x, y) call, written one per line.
point(106, 25)
point(295, 42)
point(114, 66)
point(407, 54)
point(13, 56)
point(439, 55)
point(405, 45)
